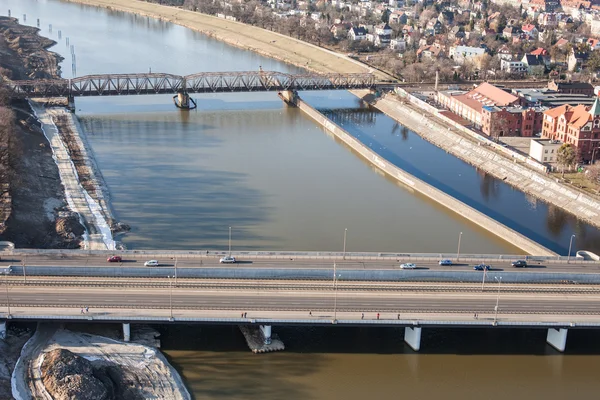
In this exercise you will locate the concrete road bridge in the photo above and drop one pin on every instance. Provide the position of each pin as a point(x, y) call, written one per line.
point(266, 289)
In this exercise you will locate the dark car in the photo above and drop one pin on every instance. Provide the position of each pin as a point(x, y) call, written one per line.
point(482, 267)
point(519, 264)
point(114, 259)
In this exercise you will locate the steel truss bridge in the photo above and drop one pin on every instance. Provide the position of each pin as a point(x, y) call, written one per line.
point(204, 82)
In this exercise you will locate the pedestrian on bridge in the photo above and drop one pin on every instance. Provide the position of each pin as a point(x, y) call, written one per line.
point(87, 309)
point(310, 313)
point(377, 315)
point(362, 316)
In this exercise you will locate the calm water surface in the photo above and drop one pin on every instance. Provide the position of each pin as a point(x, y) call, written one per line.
point(246, 161)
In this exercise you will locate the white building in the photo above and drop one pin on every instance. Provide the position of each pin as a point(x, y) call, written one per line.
point(513, 67)
point(462, 53)
point(544, 150)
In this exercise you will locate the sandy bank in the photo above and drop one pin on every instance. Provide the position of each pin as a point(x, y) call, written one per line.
point(262, 41)
point(147, 369)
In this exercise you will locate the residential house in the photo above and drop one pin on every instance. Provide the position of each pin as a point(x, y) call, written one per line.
point(548, 20)
point(434, 27)
point(504, 53)
point(398, 17)
point(340, 30)
point(460, 54)
point(446, 18)
point(382, 36)
point(398, 45)
point(536, 65)
point(457, 32)
point(435, 50)
point(513, 67)
point(579, 126)
point(594, 44)
point(510, 32)
point(565, 23)
point(357, 33)
point(577, 59)
point(469, 105)
point(531, 31)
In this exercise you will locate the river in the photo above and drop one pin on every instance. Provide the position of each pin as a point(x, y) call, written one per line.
point(180, 179)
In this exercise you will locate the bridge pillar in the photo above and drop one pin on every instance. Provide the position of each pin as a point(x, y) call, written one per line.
point(3, 330)
point(557, 338)
point(412, 337)
point(290, 97)
point(266, 331)
point(126, 332)
point(183, 100)
point(71, 104)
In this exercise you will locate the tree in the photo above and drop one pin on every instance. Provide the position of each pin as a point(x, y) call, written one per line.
point(594, 62)
point(499, 127)
point(592, 174)
point(565, 156)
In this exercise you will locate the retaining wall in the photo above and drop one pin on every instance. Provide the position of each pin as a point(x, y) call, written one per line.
point(410, 181)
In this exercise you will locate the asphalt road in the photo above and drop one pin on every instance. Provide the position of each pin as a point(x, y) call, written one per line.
point(367, 301)
point(292, 263)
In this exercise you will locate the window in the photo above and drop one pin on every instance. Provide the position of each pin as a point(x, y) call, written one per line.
point(546, 151)
point(552, 151)
point(545, 158)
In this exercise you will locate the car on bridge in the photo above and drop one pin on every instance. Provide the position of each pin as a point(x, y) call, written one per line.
point(408, 266)
point(227, 260)
point(519, 264)
point(151, 263)
point(445, 262)
point(114, 259)
point(482, 267)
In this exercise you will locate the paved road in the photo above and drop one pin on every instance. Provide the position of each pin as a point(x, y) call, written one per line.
point(291, 263)
point(365, 301)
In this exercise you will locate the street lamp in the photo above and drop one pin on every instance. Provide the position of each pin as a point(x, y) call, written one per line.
point(229, 241)
point(175, 271)
point(458, 251)
point(345, 232)
point(497, 299)
point(170, 299)
point(334, 296)
point(570, 245)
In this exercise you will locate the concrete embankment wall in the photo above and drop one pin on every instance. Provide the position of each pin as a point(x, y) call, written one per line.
point(410, 181)
point(478, 152)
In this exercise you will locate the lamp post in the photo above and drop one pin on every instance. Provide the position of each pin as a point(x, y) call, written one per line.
point(229, 241)
point(345, 233)
point(570, 245)
point(497, 299)
point(170, 299)
point(334, 295)
point(593, 155)
point(175, 271)
point(458, 250)
point(7, 298)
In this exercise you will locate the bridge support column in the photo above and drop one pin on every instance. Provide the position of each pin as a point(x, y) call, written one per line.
point(557, 338)
point(126, 332)
point(412, 337)
point(183, 100)
point(290, 97)
point(71, 104)
point(266, 332)
point(2, 330)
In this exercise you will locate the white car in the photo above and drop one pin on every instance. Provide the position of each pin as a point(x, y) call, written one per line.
point(151, 263)
point(227, 260)
point(408, 266)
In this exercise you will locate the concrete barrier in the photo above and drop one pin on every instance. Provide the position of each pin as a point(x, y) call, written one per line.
point(419, 275)
point(433, 193)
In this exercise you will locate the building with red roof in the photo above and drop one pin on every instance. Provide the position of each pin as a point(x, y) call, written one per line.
point(577, 125)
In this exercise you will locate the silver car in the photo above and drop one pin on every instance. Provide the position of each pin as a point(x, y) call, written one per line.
point(227, 260)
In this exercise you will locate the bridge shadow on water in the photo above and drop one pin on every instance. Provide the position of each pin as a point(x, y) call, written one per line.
point(384, 340)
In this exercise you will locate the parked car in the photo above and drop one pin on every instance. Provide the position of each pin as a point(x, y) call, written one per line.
point(151, 263)
point(114, 259)
point(408, 266)
point(519, 264)
point(482, 267)
point(445, 262)
point(227, 260)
